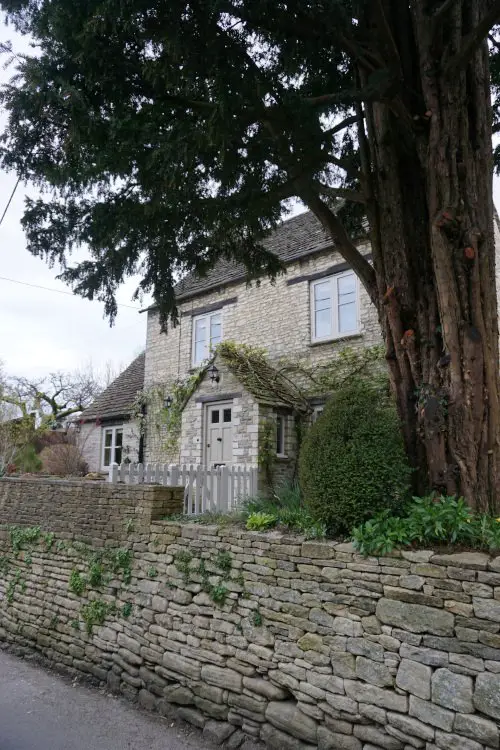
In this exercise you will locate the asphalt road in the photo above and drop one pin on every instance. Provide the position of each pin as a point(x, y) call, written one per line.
point(41, 711)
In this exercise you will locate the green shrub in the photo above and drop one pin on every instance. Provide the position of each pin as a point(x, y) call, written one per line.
point(260, 521)
point(287, 508)
point(27, 460)
point(428, 520)
point(352, 463)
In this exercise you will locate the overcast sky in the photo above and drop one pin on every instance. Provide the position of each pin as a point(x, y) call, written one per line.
point(44, 331)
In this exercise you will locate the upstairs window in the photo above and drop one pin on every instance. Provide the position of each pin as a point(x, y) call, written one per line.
point(334, 307)
point(207, 333)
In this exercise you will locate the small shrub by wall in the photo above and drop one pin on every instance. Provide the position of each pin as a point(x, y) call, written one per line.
point(299, 644)
point(352, 462)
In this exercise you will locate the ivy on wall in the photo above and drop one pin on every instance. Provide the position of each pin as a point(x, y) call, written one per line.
point(93, 570)
point(287, 384)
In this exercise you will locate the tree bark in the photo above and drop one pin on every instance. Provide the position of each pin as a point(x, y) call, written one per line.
point(431, 221)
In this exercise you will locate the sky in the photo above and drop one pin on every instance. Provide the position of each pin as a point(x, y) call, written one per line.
point(46, 331)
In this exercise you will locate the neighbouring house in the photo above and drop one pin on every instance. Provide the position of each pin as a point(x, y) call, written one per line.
point(110, 430)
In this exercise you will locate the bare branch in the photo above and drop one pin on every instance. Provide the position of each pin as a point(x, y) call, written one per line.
point(473, 40)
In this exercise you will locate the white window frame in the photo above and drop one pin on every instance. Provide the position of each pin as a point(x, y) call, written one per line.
point(114, 431)
point(335, 333)
point(317, 412)
point(208, 317)
point(281, 449)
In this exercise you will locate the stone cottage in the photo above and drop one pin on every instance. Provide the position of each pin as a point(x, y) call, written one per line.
point(316, 307)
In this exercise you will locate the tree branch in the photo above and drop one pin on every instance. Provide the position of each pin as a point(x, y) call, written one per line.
point(346, 166)
point(438, 14)
point(349, 195)
point(341, 125)
point(473, 40)
point(387, 37)
point(337, 232)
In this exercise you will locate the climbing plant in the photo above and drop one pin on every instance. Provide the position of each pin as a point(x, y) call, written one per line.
point(149, 407)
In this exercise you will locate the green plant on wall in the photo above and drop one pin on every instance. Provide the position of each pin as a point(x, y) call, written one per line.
point(149, 407)
point(95, 613)
point(222, 562)
point(95, 568)
point(267, 449)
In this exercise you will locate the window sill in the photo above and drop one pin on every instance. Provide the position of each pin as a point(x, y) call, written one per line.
point(337, 339)
point(281, 457)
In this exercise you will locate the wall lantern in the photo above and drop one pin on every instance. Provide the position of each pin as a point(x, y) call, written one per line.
point(168, 402)
point(214, 374)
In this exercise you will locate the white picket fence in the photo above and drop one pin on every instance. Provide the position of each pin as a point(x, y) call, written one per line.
point(218, 489)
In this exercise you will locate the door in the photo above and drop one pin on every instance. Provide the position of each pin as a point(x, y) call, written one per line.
point(219, 434)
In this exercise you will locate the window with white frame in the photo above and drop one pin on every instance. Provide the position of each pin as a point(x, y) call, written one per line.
point(280, 435)
point(207, 333)
point(334, 306)
point(317, 412)
point(112, 446)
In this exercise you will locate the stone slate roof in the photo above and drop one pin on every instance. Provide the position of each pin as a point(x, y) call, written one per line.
point(296, 238)
point(117, 400)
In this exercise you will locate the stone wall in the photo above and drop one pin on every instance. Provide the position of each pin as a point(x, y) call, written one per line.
point(310, 645)
point(96, 512)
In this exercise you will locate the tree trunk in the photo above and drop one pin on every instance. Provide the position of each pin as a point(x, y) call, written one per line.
point(431, 221)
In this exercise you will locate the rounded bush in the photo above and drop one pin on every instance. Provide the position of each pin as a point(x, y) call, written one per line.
point(352, 462)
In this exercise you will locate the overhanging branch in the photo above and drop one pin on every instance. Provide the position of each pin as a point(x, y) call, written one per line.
point(341, 125)
point(349, 195)
point(337, 232)
point(473, 40)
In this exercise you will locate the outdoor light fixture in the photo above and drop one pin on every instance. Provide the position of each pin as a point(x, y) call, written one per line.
point(168, 402)
point(214, 374)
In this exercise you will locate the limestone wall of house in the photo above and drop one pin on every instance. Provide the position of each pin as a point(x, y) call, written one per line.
point(91, 439)
point(273, 316)
point(308, 646)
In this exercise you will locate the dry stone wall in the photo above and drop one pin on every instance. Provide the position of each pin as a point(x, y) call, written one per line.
point(297, 644)
point(92, 511)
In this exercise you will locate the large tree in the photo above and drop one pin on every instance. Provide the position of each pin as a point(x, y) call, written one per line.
point(169, 134)
point(49, 401)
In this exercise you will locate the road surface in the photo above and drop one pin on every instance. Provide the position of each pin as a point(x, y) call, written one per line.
point(40, 710)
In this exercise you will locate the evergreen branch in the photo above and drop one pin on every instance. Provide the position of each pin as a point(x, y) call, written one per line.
point(494, 42)
point(349, 195)
point(474, 39)
point(341, 125)
point(346, 166)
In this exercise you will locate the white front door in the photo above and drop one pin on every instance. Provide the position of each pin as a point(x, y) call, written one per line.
point(219, 434)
